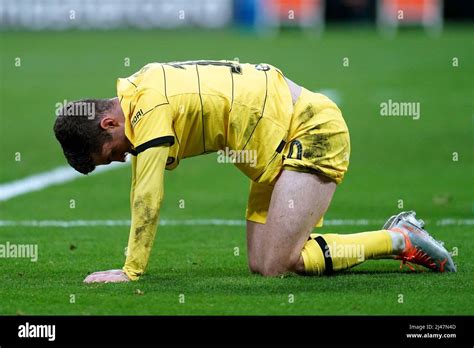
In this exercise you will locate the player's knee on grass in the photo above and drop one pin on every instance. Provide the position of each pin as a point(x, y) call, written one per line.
point(274, 267)
point(269, 262)
point(254, 266)
point(274, 264)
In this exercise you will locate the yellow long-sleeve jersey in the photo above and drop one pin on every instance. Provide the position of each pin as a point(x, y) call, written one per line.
point(183, 109)
point(205, 106)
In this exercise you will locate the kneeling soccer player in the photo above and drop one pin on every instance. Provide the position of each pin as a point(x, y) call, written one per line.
point(169, 111)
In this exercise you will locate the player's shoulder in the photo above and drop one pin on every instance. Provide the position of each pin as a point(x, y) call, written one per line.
point(145, 81)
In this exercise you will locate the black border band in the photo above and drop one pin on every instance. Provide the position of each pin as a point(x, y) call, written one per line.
point(327, 258)
point(281, 146)
point(153, 143)
point(356, 331)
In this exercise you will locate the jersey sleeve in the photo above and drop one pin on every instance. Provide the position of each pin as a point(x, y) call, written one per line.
point(146, 197)
point(151, 120)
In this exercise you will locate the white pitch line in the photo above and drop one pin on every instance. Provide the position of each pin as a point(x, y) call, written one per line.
point(56, 176)
point(204, 222)
point(450, 222)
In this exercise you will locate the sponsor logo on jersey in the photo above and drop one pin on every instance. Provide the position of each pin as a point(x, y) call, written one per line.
point(137, 117)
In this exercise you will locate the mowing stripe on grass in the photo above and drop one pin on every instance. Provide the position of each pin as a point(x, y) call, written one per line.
point(56, 176)
point(205, 222)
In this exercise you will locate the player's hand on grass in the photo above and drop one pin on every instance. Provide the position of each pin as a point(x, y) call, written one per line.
point(111, 276)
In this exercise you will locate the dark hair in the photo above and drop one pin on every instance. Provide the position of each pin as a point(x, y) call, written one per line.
point(77, 128)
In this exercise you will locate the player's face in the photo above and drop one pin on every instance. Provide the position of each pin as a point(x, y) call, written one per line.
point(117, 147)
point(114, 150)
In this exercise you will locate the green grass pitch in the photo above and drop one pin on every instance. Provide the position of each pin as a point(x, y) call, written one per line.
point(393, 159)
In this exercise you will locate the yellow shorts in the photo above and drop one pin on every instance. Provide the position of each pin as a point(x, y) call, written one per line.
point(318, 143)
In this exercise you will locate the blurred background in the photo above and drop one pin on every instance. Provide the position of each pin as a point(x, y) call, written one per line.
point(251, 14)
point(360, 53)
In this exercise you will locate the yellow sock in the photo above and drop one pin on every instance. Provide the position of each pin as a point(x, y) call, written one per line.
point(327, 253)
